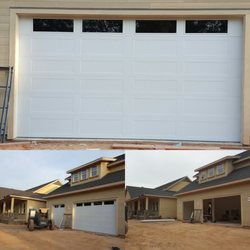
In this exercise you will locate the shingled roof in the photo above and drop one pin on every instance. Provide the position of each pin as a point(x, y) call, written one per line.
point(239, 174)
point(4, 192)
point(111, 178)
point(136, 192)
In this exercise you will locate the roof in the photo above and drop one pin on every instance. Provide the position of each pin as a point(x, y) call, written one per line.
point(239, 174)
point(107, 159)
point(4, 192)
point(218, 161)
point(169, 184)
point(111, 178)
point(40, 186)
point(135, 192)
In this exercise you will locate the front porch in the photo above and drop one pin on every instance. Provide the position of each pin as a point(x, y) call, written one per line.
point(13, 210)
point(144, 208)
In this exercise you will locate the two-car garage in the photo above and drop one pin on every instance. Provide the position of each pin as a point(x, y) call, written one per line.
point(175, 79)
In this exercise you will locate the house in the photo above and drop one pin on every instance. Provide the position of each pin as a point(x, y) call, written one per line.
point(15, 204)
point(220, 192)
point(93, 197)
point(149, 203)
point(168, 70)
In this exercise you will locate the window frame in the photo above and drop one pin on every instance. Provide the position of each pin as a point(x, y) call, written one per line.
point(188, 30)
point(86, 171)
point(154, 22)
point(223, 169)
point(101, 22)
point(213, 173)
point(73, 177)
point(91, 172)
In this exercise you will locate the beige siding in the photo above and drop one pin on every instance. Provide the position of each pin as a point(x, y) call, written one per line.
point(241, 189)
point(178, 186)
point(105, 194)
point(167, 208)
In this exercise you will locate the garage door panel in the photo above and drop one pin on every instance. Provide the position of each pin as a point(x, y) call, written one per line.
point(54, 47)
point(53, 66)
point(152, 86)
point(102, 128)
point(103, 67)
point(52, 84)
point(51, 104)
point(200, 48)
point(103, 86)
point(102, 105)
point(155, 67)
point(102, 47)
point(149, 48)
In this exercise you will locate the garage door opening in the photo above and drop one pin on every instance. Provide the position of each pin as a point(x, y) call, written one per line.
point(131, 79)
point(222, 210)
point(98, 217)
point(188, 209)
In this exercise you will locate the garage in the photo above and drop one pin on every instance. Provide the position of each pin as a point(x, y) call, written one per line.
point(58, 214)
point(224, 209)
point(130, 79)
point(98, 216)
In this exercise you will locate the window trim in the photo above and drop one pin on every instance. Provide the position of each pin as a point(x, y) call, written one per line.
point(91, 172)
point(218, 167)
point(34, 29)
point(208, 175)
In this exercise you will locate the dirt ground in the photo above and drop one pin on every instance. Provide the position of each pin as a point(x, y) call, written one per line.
point(113, 144)
point(18, 237)
point(185, 236)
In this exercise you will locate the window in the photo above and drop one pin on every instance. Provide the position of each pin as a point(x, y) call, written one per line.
point(210, 172)
point(109, 202)
point(79, 204)
point(93, 171)
point(202, 175)
point(87, 204)
point(114, 26)
point(75, 177)
point(53, 25)
point(84, 174)
point(206, 26)
point(97, 203)
point(220, 169)
point(155, 26)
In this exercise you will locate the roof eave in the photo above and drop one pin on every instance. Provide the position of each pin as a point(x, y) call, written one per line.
point(212, 187)
point(86, 189)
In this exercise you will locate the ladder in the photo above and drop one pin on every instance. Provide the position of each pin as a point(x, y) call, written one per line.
point(5, 94)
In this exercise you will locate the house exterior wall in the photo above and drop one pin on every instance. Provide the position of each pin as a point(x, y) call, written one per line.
point(34, 204)
point(167, 208)
point(238, 189)
point(11, 10)
point(116, 193)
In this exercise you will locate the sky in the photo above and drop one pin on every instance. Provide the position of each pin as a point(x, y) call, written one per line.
point(26, 169)
point(154, 168)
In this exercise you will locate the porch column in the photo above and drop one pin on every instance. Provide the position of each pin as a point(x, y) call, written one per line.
point(213, 215)
point(139, 205)
point(4, 207)
point(146, 205)
point(12, 205)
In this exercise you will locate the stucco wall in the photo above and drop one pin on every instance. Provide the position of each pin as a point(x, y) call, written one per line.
point(105, 194)
point(241, 189)
point(167, 208)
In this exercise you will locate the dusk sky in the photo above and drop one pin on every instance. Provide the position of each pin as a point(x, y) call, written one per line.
point(25, 169)
point(154, 168)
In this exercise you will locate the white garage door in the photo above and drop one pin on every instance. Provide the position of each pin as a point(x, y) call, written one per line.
point(176, 79)
point(58, 214)
point(97, 216)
